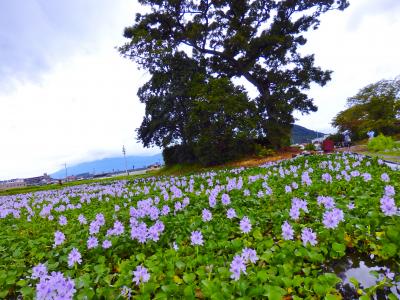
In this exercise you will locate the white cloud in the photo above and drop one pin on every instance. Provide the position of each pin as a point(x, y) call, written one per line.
point(85, 104)
point(76, 100)
point(361, 46)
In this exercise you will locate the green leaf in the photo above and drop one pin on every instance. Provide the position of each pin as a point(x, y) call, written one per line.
point(27, 292)
point(389, 250)
point(274, 292)
point(392, 297)
point(177, 279)
point(338, 247)
point(330, 279)
point(333, 297)
point(321, 289)
point(180, 264)
point(85, 294)
point(188, 292)
point(354, 281)
point(257, 234)
point(141, 257)
point(189, 277)
point(262, 275)
point(3, 294)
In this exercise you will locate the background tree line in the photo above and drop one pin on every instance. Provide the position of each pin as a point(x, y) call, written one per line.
point(375, 107)
point(193, 50)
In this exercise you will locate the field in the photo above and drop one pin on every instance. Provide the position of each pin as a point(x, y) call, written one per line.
point(316, 227)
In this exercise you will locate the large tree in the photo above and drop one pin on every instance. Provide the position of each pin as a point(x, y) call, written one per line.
point(257, 40)
point(375, 107)
point(194, 116)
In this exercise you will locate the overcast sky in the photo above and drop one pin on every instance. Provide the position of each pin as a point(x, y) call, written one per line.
point(67, 96)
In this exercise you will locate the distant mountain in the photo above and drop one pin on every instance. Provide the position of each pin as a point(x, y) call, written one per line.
point(109, 164)
point(301, 134)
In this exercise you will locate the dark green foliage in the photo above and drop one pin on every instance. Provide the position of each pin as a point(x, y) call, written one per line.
point(336, 137)
point(256, 40)
point(222, 122)
point(169, 99)
point(375, 107)
point(195, 117)
point(178, 154)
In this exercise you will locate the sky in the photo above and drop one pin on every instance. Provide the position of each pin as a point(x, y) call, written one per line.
point(67, 96)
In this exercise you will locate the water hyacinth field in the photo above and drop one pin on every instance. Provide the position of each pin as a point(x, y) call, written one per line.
point(317, 227)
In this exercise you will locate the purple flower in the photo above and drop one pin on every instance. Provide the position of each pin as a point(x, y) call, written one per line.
point(196, 238)
point(212, 201)
point(116, 207)
point(245, 225)
point(92, 242)
point(206, 215)
point(55, 286)
point(62, 220)
point(153, 234)
point(332, 218)
point(389, 191)
point(126, 292)
point(287, 231)
point(94, 227)
point(39, 271)
point(140, 275)
point(327, 177)
point(389, 274)
point(294, 213)
point(106, 244)
point(100, 219)
point(388, 206)
point(288, 189)
point(175, 246)
point(385, 177)
point(59, 238)
point(139, 232)
point(74, 257)
point(225, 199)
point(351, 206)
point(237, 266)
point(118, 228)
point(82, 219)
point(249, 254)
point(165, 210)
point(305, 179)
point(328, 202)
point(231, 213)
point(308, 236)
point(300, 204)
point(178, 206)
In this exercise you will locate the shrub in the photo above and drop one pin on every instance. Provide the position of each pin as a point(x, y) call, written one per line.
point(310, 147)
point(380, 143)
point(262, 151)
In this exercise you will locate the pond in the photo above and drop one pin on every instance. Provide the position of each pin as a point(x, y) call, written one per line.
point(367, 272)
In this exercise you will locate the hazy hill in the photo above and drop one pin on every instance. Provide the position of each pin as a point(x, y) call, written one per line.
point(301, 134)
point(109, 164)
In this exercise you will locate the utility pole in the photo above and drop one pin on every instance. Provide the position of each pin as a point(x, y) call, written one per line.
point(65, 166)
point(124, 152)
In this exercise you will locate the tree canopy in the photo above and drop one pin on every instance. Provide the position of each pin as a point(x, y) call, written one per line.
point(375, 107)
point(255, 40)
